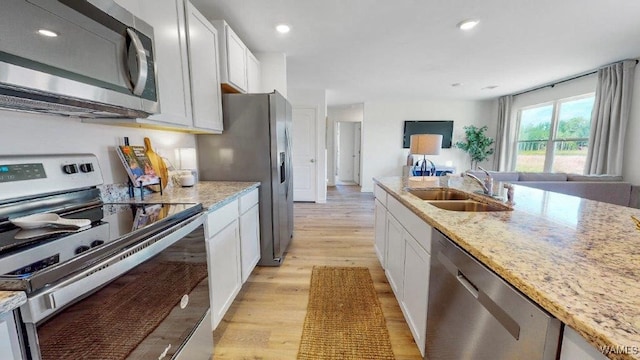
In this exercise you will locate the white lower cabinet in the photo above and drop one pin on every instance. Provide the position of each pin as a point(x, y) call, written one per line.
point(233, 250)
point(223, 254)
point(9, 340)
point(575, 347)
point(249, 233)
point(395, 255)
point(380, 232)
point(407, 260)
point(416, 289)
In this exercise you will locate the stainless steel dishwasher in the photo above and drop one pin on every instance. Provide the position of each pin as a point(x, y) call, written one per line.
point(474, 314)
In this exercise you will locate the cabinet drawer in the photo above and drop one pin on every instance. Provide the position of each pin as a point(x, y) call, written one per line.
point(248, 200)
point(219, 218)
point(380, 194)
point(417, 227)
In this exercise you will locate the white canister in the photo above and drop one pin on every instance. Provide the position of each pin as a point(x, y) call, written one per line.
point(187, 180)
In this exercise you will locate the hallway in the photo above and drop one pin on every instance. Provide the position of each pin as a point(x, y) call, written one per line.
point(265, 321)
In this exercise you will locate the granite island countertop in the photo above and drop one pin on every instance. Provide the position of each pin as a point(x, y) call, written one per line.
point(578, 259)
point(212, 194)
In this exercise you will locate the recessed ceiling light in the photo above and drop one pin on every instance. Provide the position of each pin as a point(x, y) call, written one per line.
point(468, 24)
point(456, 84)
point(48, 33)
point(283, 28)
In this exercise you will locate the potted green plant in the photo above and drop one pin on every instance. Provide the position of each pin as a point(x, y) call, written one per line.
point(477, 144)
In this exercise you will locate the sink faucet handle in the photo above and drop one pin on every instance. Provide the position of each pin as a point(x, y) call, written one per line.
point(510, 193)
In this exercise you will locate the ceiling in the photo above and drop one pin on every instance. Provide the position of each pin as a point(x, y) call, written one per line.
point(372, 50)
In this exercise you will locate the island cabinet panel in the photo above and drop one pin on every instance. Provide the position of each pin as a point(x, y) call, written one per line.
point(395, 255)
point(575, 347)
point(380, 232)
point(407, 261)
point(416, 289)
point(9, 340)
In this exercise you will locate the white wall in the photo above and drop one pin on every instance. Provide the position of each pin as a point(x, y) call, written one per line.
point(352, 113)
point(630, 165)
point(382, 152)
point(316, 99)
point(273, 72)
point(25, 133)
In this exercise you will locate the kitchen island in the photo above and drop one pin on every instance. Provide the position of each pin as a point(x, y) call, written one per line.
point(578, 259)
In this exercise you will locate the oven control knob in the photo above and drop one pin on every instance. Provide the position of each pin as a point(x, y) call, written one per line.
point(95, 243)
point(70, 168)
point(81, 249)
point(86, 167)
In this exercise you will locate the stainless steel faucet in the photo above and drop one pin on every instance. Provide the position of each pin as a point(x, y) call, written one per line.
point(485, 189)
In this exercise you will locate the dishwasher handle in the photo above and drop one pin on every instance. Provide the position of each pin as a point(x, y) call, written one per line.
point(467, 284)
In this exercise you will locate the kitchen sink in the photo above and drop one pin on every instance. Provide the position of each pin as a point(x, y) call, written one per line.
point(439, 194)
point(468, 205)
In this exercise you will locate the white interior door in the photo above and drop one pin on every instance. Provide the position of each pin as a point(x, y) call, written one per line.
point(305, 171)
point(345, 162)
point(356, 152)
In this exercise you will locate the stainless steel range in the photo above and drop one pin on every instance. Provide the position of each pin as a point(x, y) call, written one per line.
point(132, 284)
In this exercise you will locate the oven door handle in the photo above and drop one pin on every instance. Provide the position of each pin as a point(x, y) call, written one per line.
point(103, 272)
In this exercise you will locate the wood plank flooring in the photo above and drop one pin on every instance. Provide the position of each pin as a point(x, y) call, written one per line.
point(265, 321)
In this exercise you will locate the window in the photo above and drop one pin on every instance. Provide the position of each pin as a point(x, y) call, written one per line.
point(553, 137)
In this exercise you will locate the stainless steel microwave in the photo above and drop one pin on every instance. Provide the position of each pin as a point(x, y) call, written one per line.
point(84, 58)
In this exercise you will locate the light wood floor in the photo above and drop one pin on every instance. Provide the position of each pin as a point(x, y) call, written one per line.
point(265, 321)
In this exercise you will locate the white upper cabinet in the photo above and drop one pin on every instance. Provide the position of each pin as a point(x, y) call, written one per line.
point(233, 59)
point(187, 66)
point(167, 19)
point(253, 74)
point(206, 96)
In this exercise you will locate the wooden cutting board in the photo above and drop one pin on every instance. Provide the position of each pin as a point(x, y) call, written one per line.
point(158, 165)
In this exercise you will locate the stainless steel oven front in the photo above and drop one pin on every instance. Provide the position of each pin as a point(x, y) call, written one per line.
point(149, 299)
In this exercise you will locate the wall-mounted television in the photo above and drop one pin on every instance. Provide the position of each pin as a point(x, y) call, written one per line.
point(443, 127)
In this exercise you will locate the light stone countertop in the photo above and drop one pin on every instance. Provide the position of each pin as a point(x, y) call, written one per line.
point(212, 194)
point(579, 259)
point(10, 300)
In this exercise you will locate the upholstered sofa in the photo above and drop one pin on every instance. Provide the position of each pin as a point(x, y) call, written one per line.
point(606, 188)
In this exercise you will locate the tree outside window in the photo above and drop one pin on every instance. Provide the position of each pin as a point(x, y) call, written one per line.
point(553, 137)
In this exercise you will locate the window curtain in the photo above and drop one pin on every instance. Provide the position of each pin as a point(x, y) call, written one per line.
point(609, 118)
point(504, 153)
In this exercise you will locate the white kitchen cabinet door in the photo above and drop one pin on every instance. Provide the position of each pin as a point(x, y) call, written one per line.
point(223, 251)
point(206, 96)
point(9, 341)
point(380, 233)
point(416, 289)
point(249, 240)
point(168, 21)
point(575, 347)
point(254, 85)
point(395, 255)
point(233, 58)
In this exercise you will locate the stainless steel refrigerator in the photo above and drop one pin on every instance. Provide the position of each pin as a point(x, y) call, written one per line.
point(256, 146)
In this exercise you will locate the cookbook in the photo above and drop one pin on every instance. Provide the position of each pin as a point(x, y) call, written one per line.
point(138, 165)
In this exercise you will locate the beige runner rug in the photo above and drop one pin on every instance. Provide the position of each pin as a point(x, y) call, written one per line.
point(344, 318)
